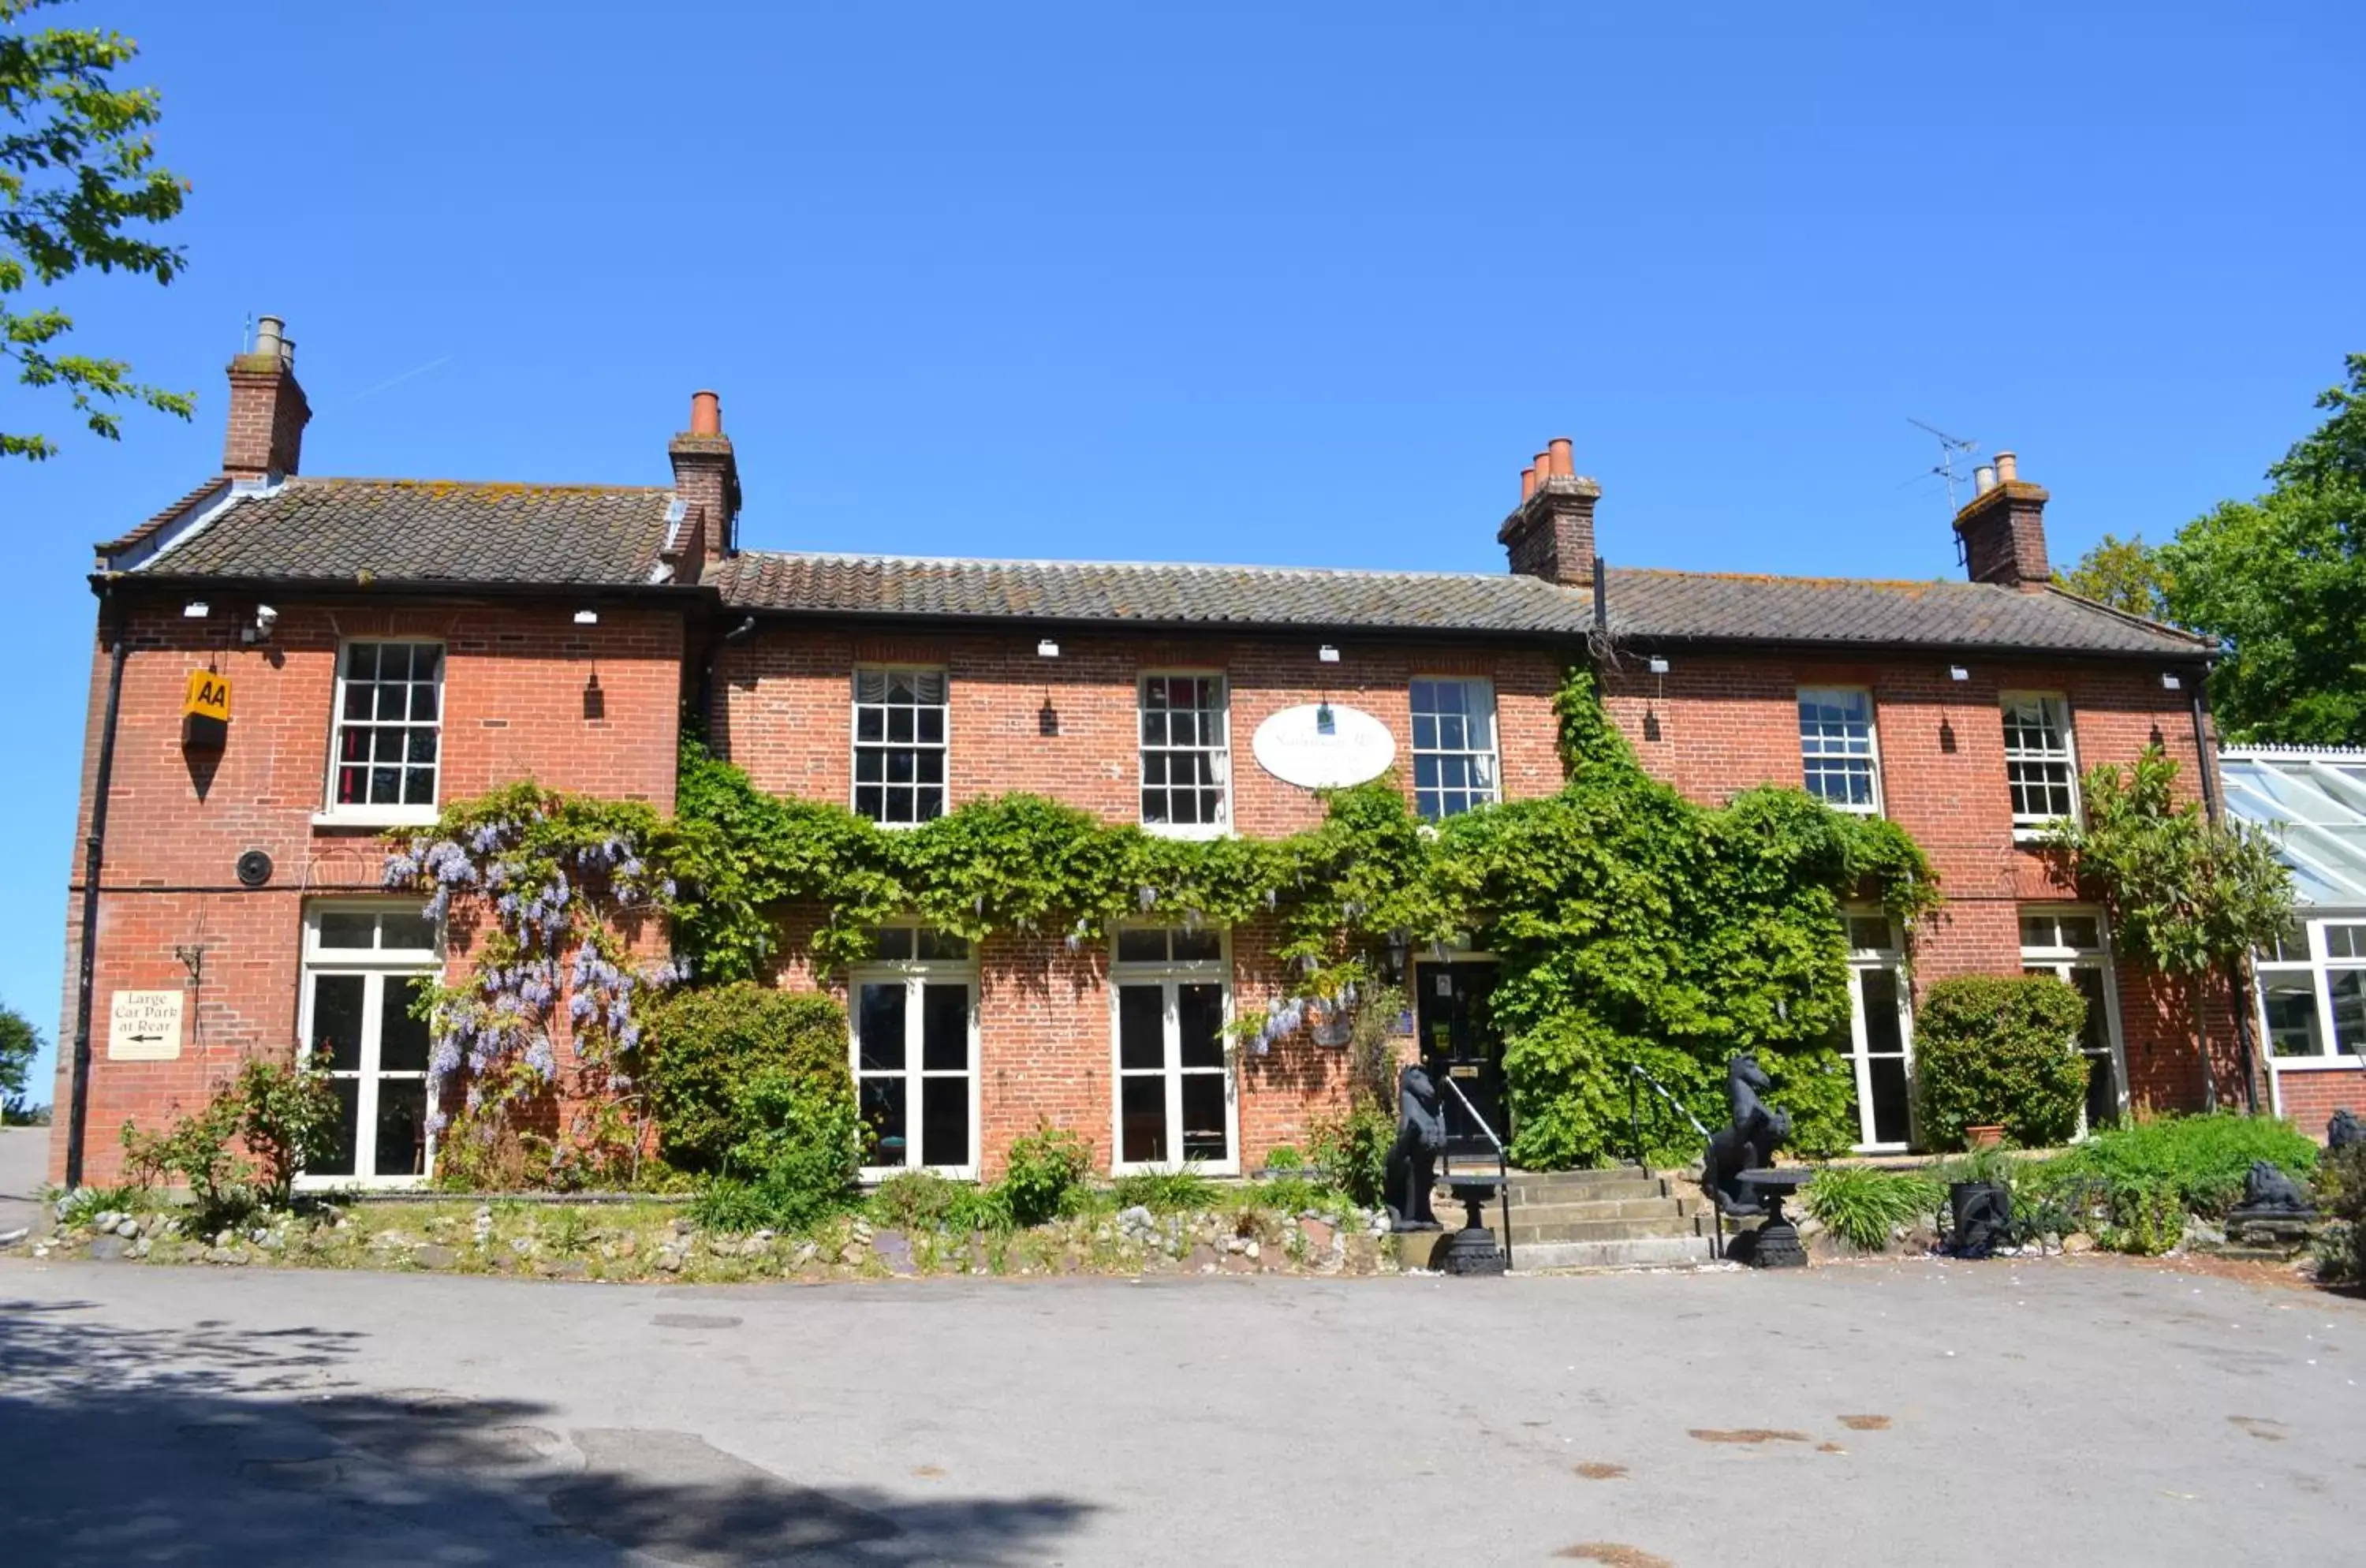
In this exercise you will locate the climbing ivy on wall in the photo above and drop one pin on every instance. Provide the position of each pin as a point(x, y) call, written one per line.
point(1633, 925)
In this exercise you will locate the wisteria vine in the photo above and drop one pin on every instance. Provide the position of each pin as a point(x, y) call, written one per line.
point(558, 879)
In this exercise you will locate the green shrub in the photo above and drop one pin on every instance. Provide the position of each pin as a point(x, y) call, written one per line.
point(1862, 1205)
point(1166, 1192)
point(2147, 1219)
point(702, 1046)
point(1284, 1156)
point(2200, 1160)
point(1351, 1153)
point(2000, 1051)
point(284, 1116)
point(1047, 1167)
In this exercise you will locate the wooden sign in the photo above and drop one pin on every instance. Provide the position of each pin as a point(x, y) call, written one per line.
point(144, 1026)
point(205, 713)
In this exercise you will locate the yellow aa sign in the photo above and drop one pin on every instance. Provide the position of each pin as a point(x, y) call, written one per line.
point(208, 696)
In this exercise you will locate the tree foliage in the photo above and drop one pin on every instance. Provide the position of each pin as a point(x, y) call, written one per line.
point(2282, 580)
point(2187, 896)
point(2126, 574)
point(19, 1043)
point(79, 187)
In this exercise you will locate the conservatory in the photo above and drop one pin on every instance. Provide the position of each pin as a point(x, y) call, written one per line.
point(2310, 989)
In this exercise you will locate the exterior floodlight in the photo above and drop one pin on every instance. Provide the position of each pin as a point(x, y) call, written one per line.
point(1047, 648)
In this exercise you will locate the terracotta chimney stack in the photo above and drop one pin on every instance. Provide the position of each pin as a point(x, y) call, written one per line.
point(267, 411)
point(2003, 528)
point(706, 480)
point(1551, 535)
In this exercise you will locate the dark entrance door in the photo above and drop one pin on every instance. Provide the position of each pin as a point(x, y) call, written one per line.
point(1455, 1019)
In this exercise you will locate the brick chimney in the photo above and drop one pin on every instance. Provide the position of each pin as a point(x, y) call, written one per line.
point(1551, 534)
point(2003, 528)
point(706, 478)
point(267, 411)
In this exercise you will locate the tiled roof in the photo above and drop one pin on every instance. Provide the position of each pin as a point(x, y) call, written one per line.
point(1721, 607)
point(425, 530)
point(1643, 604)
point(1128, 591)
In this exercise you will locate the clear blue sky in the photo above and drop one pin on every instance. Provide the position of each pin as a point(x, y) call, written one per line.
point(1241, 283)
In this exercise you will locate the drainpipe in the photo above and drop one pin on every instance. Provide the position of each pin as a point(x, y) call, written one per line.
point(2239, 992)
point(739, 633)
point(110, 611)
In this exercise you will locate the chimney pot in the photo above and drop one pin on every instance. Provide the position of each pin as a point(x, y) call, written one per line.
point(1544, 468)
point(1527, 482)
point(705, 413)
point(1564, 461)
point(2003, 528)
point(267, 409)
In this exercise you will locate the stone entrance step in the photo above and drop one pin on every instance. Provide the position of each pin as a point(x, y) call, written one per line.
point(1620, 1218)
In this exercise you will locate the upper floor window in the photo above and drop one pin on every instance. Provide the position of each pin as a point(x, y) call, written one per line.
point(1837, 755)
point(1186, 753)
point(388, 726)
point(2040, 767)
point(899, 745)
point(1453, 747)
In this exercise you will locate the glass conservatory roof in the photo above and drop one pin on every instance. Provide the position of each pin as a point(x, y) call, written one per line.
point(2313, 798)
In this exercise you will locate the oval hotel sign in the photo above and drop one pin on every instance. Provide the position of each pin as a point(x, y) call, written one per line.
point(1323, 746)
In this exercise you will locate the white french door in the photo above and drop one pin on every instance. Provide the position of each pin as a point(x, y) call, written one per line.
point(364, 968)
point(915, 1070)
point(1175, 1101)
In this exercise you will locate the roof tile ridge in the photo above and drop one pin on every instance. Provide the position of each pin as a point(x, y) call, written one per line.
point(1054, 563)
point(309, 482)
point(2146, 622)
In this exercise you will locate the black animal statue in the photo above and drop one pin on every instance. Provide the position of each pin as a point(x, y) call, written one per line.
point(1412, 1167)
point(2268, 1191)
point(1755, 1132)
point(2344, 1131)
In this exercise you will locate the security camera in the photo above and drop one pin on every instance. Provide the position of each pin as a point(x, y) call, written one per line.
point(265, 617)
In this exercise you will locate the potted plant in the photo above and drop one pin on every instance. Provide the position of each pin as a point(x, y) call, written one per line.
point(1987, 1135)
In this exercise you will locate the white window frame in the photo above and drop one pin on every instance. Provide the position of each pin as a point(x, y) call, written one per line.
point(1223, 753)
point(1485, 760)
point(2030, 826)
point(1889, 956)
point(856, 745)
point(334, 813)
point(2320, 964)
point(913, 974)
point(1167, 975)
point(2060, 959)
point(379, 966)
point(1871, 756)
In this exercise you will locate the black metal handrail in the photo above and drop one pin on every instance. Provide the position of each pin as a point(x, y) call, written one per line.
point(1639, 1077)
point(1503, 1160)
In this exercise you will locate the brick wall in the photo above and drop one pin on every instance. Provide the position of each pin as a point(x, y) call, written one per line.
point(783, 710)
point(1719, 723)
point(514, 707)
point(2310, 1098)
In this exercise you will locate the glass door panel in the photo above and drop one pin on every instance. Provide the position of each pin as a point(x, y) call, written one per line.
point(1883, 1079)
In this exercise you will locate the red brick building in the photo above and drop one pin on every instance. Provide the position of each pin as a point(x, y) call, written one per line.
point(391, 645)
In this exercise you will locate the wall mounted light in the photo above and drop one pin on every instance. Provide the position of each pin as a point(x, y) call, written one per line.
point(1047, 717)
point(193, 610)
point(1327, 654)
point(2170, 682)
point(587, 618)
point(1658, 666)
point(1047, 648)
point(595, 701)
point(1958, 672)
point(1325, 721)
